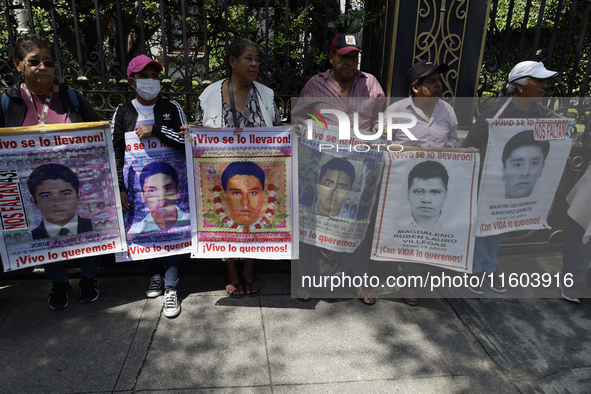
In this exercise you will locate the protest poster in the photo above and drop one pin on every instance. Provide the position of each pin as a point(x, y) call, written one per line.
point(338, 184)
point(59, 196)
point(243, 199)
point(159, 222)
point(427, 208)
point(524, 162)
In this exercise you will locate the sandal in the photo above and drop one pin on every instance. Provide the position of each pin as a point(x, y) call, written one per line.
point(303, 295)
point(364, 294)
point(236, 286)
point(249, 284)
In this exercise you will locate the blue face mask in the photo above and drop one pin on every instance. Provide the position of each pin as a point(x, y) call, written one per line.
point(147, 89)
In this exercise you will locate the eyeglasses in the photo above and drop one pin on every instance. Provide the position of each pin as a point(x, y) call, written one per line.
point(36, 63)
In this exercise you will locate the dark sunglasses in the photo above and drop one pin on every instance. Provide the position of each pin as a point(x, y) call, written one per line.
point(36, 63)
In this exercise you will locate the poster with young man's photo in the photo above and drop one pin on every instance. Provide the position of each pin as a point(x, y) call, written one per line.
point(59, 198)
point(243, 193)
point(158, 222)
point(337, 191)
point(524, 162)
point(427, 208)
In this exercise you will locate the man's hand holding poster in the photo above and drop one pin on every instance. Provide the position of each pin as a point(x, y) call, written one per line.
point(337, 190)
point(158, 222)
point(243, 193)
point(58, 197)
point(522, 169)
point(427, 208)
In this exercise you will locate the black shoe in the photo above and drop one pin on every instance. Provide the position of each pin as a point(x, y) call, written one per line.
point(496, 284)
point(60, 295)
point(89, 290)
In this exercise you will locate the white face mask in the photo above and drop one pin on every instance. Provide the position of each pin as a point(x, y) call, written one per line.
point(147, 89)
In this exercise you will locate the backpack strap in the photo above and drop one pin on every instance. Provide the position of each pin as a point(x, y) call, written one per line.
point(74, 99)
point(4, 103)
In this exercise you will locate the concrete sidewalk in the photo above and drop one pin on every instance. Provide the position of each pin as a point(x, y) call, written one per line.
point(271, 343)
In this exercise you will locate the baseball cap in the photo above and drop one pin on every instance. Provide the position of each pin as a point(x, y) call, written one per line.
point(345, 43)
point(139, 62)
point(424, 68)
point(530, 69)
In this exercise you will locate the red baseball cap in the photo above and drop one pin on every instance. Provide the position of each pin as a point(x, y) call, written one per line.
point(138, 63)
point(345, 43)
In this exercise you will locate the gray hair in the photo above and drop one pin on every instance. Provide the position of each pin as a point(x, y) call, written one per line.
point(237, 48)
point(510, 88)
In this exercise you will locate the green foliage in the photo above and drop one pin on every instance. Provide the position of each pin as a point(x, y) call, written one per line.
point(513, 20)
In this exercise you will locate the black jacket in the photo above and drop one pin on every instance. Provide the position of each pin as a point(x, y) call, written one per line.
point(168, 118)
point(17, 109)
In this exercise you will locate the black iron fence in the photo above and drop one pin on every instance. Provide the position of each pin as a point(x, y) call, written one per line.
point(95, 39)
point(555, 32)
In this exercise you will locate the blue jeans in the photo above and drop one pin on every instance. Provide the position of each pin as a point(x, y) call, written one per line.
point(576, 255)
point(56, 272)
point(168, 267)
point(485, 253)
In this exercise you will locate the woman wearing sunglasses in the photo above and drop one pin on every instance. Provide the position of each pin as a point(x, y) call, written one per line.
point(37, 98)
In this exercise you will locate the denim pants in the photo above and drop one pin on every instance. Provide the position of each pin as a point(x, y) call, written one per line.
point(56, 272)
point(485, 253)
point(576, 255)
point(168, 267)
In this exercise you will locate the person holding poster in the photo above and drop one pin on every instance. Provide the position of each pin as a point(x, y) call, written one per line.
point(524, 89)
point(150, 114)
point(35, 99)
point(239, 101)
point(436, 126)
point(356, 93)
point(577, 236)
point(437, 123)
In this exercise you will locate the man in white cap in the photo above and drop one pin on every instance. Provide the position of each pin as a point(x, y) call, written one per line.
point(525, 86)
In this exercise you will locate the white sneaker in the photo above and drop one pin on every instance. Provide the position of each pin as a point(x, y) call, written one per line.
point(171, 303)
point(156, 286)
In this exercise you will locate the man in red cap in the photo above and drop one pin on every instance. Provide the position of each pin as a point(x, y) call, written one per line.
point(342, 87)
point(333, 88)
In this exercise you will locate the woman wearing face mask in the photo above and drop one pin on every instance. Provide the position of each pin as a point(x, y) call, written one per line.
point(150, 115)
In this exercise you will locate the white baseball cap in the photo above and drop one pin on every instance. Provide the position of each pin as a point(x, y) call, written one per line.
point(530, 69)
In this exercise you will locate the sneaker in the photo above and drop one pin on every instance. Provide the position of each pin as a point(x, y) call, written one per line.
point(570, 294)
point(156, 286)
point(496, 284)
point(60, 295)
point(171, 303)
point(477, 288)
point(89, 290)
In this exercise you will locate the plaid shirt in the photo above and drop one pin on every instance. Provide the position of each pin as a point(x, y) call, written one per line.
point(322, 92)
